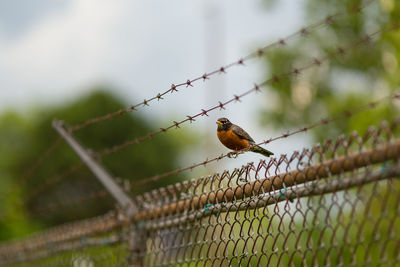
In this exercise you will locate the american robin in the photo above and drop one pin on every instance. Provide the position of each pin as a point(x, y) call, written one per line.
point(235, 138)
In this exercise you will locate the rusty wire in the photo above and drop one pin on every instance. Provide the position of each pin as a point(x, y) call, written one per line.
point(303, 32)
point(102, 193)
point(321, 122)
point(338, 51)
point(334, 204)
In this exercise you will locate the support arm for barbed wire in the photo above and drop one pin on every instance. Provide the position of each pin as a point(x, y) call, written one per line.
point(101, 174)
point(136, 236)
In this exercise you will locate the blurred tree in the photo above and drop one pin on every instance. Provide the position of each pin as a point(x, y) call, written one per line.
point(25, 137)
point(14, 141)
point(345, 82)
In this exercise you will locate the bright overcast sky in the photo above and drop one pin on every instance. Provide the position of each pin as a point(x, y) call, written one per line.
point(53, 50)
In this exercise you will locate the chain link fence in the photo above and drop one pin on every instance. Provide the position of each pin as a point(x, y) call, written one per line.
point(334, 204)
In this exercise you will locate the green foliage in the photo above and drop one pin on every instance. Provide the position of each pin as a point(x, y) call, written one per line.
point(27, 136)
point(14, 142)
point(344, 82)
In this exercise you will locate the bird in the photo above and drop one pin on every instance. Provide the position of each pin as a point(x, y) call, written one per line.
point(235, 138)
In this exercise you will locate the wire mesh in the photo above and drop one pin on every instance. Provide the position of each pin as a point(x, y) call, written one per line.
point(336, 203)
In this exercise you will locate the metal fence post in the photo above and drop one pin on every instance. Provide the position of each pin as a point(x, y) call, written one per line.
point(136, 237)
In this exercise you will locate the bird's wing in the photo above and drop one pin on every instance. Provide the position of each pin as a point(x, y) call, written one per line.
point(242, 133)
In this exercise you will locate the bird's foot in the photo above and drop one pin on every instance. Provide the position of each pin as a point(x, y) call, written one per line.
point(233, 154)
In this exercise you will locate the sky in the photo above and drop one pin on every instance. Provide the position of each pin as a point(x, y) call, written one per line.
point(52, 51)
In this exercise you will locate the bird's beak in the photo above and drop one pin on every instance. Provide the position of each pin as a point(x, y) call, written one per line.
point(219, 123)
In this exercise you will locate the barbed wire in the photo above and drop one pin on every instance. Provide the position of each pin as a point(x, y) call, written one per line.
point(258, 53)
point(305, 31)
point(340, 50)
point(276, 78)
point(325, 121)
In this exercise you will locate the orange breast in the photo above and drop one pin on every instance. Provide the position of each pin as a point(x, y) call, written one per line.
point(231, 140)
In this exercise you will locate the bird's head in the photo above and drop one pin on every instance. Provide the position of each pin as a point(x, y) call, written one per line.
point(223, 124)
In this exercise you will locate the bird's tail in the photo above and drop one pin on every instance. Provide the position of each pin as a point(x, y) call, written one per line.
point(262, 151)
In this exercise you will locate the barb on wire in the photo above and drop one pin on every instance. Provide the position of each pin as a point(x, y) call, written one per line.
point(275, 78)
point(303, 32)
point(325, 121)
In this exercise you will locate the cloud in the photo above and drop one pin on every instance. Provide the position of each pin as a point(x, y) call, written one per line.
point(61, 50)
